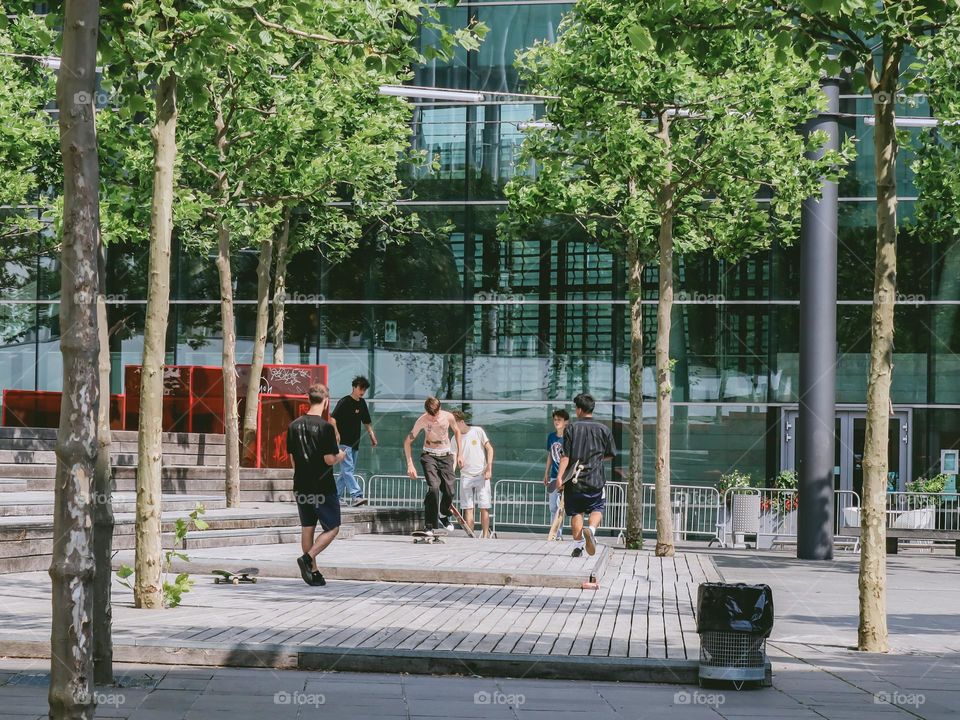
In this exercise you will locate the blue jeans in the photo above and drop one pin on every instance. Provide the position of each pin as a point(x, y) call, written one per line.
point(347, 485)
point(554, 504)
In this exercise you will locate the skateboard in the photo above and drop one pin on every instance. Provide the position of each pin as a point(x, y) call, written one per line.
point(463, 523)
point(420, 536)
point(247, 575)
point(558, 518)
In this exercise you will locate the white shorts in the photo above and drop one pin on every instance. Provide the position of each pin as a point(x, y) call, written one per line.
point(475, 488)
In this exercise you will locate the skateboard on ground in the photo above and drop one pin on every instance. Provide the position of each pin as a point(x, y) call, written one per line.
point(463, 523)
point(558, 519)
point(247, 575)
point(421, 536)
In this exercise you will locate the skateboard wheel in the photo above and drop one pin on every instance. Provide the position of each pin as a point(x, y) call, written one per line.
point(236, 581)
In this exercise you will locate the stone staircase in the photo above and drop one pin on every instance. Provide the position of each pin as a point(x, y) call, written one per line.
point(192, 473)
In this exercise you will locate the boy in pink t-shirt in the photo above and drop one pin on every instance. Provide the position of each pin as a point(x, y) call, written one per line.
point(436, 460)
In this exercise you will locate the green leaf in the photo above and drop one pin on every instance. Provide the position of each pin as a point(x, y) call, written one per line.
point(640, 38)
point(124, 572)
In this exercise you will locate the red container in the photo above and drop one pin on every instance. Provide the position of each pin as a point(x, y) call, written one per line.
point(41, 408)
point(193, 402)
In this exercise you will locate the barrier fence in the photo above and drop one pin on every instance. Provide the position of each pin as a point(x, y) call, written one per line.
point(699, 512)
point(772, 514)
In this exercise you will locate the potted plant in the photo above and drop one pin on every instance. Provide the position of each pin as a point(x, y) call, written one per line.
point(733, 480)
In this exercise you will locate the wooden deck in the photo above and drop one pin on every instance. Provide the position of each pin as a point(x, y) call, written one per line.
point(642, 611)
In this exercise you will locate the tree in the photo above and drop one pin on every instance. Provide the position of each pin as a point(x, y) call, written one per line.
point(870, 40)
point(28, 141)
point(71, 570)
point(664, 143)
point(164, 52)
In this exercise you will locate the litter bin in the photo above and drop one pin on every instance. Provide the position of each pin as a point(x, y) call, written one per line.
point(734, 622)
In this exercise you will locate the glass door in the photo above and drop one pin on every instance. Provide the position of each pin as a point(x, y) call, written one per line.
point(850, 428)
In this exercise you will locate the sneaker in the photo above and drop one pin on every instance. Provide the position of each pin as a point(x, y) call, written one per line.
point(358, 501)
point(577, 552)
point(304, 562)
point(318, 578)
point(589, 540)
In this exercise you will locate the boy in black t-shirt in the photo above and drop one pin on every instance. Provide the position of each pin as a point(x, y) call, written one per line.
point(587, 444)
point(312, 444)
point(347, 417)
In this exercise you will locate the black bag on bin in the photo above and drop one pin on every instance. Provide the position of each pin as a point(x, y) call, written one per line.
point(740, 608)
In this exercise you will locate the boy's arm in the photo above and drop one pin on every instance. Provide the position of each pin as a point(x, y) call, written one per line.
point(561, 471)
point(457, 436)
point(488, 473)
point(546, 470)
point(407, 452)
point(373, 437)
point(336, 430)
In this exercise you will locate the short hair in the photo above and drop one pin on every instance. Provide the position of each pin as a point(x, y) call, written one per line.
point(561, 413)
point(431, 405)
point(360, 382)
point(585, 402)
point(459, 415)
point(318, 393)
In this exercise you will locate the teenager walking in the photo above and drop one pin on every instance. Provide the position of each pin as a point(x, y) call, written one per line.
point(554, 452)
point(312, 445)
point(587, 444)
point(476, 453)
point(437, 460)
point(350, 413)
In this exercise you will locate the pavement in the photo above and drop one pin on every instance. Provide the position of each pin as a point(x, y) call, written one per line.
point(816, 674)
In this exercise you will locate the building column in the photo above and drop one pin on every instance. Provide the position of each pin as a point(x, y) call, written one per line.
point(818, 342)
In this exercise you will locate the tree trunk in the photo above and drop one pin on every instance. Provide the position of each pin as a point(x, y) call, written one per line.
point(71, 569)
point(634, 530)
point(249, 436)
point(872, 631)
point(280, 288)
point(231, 418)
point(148, 583)
point(664, 510)
point(103, 505)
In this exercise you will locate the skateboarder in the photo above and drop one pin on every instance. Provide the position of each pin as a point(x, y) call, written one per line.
point(476, 452)
point(347, 417)
point(554, 452)
point(437, 460)
point(587, 444)
point(312, 444)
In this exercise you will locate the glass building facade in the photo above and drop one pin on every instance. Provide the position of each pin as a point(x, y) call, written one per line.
point(513, 330)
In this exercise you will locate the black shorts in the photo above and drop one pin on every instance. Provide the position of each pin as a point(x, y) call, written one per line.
point(316, 508)
point(583, 501)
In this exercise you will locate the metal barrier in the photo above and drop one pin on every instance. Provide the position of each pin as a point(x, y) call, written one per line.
point(924, 511)
point(778, 515)
point(400, 491)
point(526, 504)
point(695, 509)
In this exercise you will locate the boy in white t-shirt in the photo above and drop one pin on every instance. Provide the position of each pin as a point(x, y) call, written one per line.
point(476, 462)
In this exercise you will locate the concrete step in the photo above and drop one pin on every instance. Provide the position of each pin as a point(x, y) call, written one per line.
point(175, 480)
point(26, 542)
point(42, 503)
point(36, 445)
